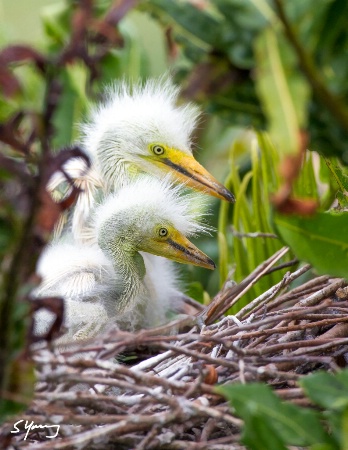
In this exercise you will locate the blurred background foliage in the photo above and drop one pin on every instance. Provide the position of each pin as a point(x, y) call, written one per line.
point(271, 77)
point(143, 55)
point(239, 61)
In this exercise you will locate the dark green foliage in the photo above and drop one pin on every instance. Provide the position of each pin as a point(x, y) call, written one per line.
point(43, 95)
point(274, 65)
point(218, 50)
point(320, 239)
point(274, 424)
point(279, 66)
point(219, 59)
point(271, 423)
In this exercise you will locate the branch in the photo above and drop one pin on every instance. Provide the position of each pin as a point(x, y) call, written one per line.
point(327, 98)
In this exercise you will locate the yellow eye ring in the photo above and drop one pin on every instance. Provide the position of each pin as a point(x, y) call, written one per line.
point(163, 232)
point(157, 150)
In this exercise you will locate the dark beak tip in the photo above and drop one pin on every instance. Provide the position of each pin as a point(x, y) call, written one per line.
point(211, 262)
point(229, 196)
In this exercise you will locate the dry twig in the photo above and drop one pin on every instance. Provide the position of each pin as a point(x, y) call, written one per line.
point(168, 400)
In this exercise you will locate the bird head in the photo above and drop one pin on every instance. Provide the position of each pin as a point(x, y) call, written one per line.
point(142, 130)
point(152, 216)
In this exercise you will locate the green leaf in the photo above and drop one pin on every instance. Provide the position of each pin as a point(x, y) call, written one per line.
point(195, 290)
point(77, 75)
point(72, 105)
point(334, 419)
point(271, 423)
point(327, 390)
point(247, 14)
point(19, 389)
point(305, 186)
point(323, 447)
point(242, 21)
point(259, 435)
point(56, 22)
point(7, 233)
point(342, 199)
point(197, 22)
point(321, 240)
point(341, 180)
point(282, 90)
point(223, 256)
point(344, 434)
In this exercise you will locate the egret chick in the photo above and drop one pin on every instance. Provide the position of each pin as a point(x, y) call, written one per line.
point(138, 130)
point(148, 215)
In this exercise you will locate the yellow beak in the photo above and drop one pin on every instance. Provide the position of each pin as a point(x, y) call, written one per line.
point(189, 171)
point(178, 248)
point(183, 251)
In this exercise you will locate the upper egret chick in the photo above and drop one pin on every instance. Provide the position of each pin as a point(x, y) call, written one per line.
point(142, 130)
point(139, 130)
point(148, 215)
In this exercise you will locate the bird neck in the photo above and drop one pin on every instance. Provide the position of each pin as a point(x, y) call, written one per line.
point(133, 274)
point(129, 264)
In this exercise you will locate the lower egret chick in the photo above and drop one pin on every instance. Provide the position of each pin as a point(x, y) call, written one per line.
point(128, 287)
point(149, 216)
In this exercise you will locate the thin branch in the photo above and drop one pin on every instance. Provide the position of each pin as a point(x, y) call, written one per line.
point(328, 100)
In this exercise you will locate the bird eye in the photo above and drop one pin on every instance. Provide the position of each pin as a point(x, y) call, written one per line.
point(163, 232)
point(158, 150)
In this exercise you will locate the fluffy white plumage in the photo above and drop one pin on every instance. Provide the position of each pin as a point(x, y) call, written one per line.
point(118, 140)
point(137, 130)
point(117, 136)
point(95, 269)
point(78, 273)
point(119, 130)
point(151, 199)
point(105, 280)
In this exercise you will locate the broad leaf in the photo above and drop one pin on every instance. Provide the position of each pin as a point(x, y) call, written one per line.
point(321, 240)
point(327, 390)
point(270, 421)
point(194, 21)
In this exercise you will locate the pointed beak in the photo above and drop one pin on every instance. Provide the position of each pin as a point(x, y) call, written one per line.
point(189, 171)
point(183, 251)
point(177, 248)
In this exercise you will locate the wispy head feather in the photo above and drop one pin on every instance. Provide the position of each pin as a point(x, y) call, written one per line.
point(133, 116)
point(148, 201)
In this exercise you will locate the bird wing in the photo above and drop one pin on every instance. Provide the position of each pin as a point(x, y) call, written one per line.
point(85, 178)
point(85, 278)
point(77, 273)
point(82, 321)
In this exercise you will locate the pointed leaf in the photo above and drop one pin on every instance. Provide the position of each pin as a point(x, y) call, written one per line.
point(282, 89)
point(327, 390)
point(321, 240)
point(341, 180)
point(261, 410)
point(193, 20)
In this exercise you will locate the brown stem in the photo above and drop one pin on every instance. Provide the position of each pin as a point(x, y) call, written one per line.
point(327, 98)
